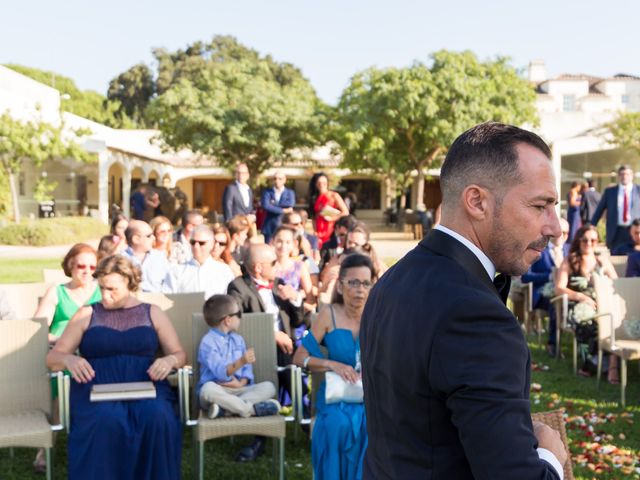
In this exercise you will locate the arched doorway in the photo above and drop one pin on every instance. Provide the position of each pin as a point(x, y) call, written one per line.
point(153, 178)
point(115, 185)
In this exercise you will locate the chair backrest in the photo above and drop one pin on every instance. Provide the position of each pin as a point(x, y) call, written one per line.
point(619, 263)
point(23, 297)
point(555, 419)
point(54, 275)
point(23, 371)
point(179, 307)
point(257, 331)
point(627, 303)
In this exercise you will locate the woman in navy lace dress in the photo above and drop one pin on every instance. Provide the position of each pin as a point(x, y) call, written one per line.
point(118, 340)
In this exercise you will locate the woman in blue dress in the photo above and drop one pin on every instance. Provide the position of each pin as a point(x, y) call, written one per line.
point(574, 199)
point(118, 340)
point(339, 437)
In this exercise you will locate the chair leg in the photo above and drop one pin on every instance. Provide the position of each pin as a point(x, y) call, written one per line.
point(47, 455)
point(558, 346)
point(599, 368)
point(623, 382)
point(575, 355)
point(539, 327)
point(198, 457)
point(281, 445)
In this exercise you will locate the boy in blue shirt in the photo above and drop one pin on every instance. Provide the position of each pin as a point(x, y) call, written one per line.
point(226, 384)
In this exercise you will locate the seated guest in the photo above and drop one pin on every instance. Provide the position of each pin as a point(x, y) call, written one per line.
point(337, 243)
point(540, 273)
point(633, 245)
point(290, 270)
point(239, 227)
point(61, 302)
point(181, 249)
point(276, 201)
point(121, 340)
point(256, 292)
point(309, 243)
point(162, 232)
point(575, 278)
point(110, 245)
point(339, 435)
point(202, 273)
point(119, 224)
point(313, 239)
point(221, 251)
point(156, 271)
point(226, 384)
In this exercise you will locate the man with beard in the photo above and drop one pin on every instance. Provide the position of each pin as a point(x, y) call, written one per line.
point(446, 369)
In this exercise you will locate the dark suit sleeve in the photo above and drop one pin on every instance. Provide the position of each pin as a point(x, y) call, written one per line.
point(290, 198)
point(235, 292)
point(537, 278)
point(602, 206)
point(227, 203)
point(633, 266)
point(267, 205)
point(480, 363)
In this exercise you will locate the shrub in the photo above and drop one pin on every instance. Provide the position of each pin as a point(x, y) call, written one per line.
point(53, 231)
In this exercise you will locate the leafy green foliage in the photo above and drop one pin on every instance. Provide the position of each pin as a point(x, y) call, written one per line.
point(36, 141)
point(624, 131)
point(224, 100)
point(396, 120)
point(53, 231)
point(132, 91)
point(85, 103)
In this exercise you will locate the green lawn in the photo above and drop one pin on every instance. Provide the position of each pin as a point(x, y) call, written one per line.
point(25, 270)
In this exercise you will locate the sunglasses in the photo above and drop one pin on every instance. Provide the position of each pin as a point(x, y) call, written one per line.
point(222, 244)
point(148, 235)
point(82, 266)
point(588, 240)
point(357, 283)
point(272, 263)
point(202, 243)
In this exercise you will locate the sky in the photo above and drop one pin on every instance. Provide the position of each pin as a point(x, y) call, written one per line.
point(329, 40)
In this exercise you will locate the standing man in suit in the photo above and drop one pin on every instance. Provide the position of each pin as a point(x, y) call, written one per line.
point(590, 200)
point(237, 198)
point(276, 201)
point(622, 203)
point(446, 368)
point(257, 291)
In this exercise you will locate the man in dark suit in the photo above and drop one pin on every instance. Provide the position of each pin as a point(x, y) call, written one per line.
point(590, 200)
point(237, 198)
point(622, 203)
point(257, 291)
point(446, 368)
point(276, 201)
point(633, 243)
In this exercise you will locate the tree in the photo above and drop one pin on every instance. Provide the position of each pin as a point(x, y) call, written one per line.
point(624, 131)
point(398, 120)
point(37, 141)
point(132, 90)
point(230, 103)
point(87, 103)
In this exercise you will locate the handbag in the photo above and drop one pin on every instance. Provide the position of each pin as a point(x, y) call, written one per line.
point(339, 390)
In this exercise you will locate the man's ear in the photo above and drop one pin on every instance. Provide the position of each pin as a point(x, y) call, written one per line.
point(477, 202)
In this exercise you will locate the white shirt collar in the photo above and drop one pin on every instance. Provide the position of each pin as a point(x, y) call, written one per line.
point(486, 263)
point(243, 186)
point(627, 187)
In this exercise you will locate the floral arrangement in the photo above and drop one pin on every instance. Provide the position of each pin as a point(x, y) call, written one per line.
point(632, 327)
point(548, 290)
point(582, 313)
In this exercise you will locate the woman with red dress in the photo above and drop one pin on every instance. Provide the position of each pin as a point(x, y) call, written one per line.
point(327, 200)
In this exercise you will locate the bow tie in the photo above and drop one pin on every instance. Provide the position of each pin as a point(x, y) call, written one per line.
point(502, 283)
point(269, 286)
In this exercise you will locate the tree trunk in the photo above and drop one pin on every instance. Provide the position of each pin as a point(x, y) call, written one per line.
point(14, 197)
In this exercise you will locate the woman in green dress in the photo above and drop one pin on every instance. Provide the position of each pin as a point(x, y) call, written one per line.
point(62, 301)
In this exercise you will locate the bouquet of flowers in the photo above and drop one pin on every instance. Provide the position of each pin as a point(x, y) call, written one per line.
point(548, 290)
point(582, 313)
point(632, 327)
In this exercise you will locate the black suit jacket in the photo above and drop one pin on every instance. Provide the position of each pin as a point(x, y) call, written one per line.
point(588, 204)
point(232, 203)
point(244, 290)
point(446, 373)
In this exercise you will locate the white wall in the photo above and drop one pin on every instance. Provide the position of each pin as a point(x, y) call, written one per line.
point(27, 99)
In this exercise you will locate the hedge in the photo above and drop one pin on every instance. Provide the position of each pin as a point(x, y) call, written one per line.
point(53, 231)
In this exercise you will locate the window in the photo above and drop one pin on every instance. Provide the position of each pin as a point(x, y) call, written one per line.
point(568, 103)
point(624, 98)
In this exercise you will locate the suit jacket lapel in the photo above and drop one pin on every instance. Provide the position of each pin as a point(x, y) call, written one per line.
point(443, 244)
point(254, 291)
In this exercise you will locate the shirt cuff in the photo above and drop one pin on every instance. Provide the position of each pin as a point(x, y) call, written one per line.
point(547, 456)
point(298, 301)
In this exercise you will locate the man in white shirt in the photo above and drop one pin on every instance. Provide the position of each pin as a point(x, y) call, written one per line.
point(202, 273)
